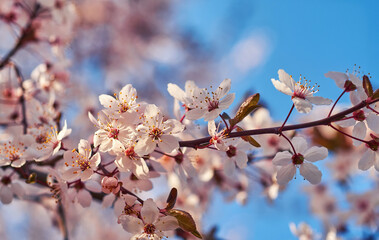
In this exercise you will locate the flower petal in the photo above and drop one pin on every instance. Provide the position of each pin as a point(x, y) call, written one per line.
point(168, 143)
point(282, 158)
point(359, 131)
point(301, 105)
point(338, 77)
point(300, 144)
point(310, 172)
point(285, 174)
point(319, 100)
point(166, 223)
point(131, 224)
point(281, 87)
point(144, 146)
point(286, 79)
point(315, 154)
point(367, 160)
point(84, 198)
point(373, 122)
point(149, 211)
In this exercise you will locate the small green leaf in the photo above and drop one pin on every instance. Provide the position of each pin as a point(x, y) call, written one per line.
point(249, 105)
point(367, 86)
point(32, 178)
point(249, 139)
point(185, 221)
point(171, 199)
point(375, 95)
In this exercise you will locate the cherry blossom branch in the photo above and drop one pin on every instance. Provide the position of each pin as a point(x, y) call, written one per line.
point(276, 130)
point(285, 121)
point(126, 191)
point(23, 39)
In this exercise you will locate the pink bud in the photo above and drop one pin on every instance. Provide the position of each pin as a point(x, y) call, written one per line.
point(110, 184)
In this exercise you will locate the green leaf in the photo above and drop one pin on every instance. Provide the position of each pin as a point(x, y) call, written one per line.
point(32, 178)
point(249, 139)
point(249, 105)
point(185, 221)
point(171, 199)
point(367, 86)
point(375, 95)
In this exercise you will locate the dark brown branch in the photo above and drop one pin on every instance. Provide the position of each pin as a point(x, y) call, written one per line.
point(276, 130)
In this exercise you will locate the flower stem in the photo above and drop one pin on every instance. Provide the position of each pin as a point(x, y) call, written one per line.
point(293, 148)
point(346, 134)
point(331, 110)
point(284, 123)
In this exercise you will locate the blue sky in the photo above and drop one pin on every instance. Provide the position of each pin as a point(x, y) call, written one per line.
point(301, 37)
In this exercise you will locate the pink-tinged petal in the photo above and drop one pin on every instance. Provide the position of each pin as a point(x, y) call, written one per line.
point(95, 160)
point(151, 110)
point(281, 87)
point(211, 128)
point(71, 174)
point(227, 101)
point(166, 223)
point(108, 101)
point(168, 143)
point(315, 154)
point(106, 145)
point(149, 211)
point(229, 167)
point(108, 200)
point(221, 146)
point(86, 174)
point(93, 119)
point(282, 158)
point(354, 98)
point(310, 172)
point(84, 198)
point(212, 115)
point(93, 186)
point(18, 163)
point(127, 92)
point(285, 174)
point(373, 122)
point(131, 224)
point(354, 79)
point(367, 160)
point(84, 148)
point(319, 100)
point(57, 148)
point(301, 105)
point(176, 92)
point(300, 144)
point(144, 146)
point(359, 131)
point(6, 195)
point(175, 126)
point(64, 132)
point(241, 159)
point(286, 79)
point(338, 77)
point(195, 113)
point(70, 156)
point(141, 169)
point(18, 189)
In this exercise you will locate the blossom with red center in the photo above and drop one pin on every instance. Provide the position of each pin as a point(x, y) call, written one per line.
point(151, 224)
point(288, 162)
point(81, 163)
point(301, 92)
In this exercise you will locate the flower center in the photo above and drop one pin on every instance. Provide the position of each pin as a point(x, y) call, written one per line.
point(6, 180)
point(42, 138)
point(155, 133)
point(303, 90)
point(149, 229)
point(113, 133)
point(359, 115)
point(232, 151)
point(212, 105)
point(179, 158)
point(13, 157)
point(124, 107)
point(297, 159)
point(129, 152)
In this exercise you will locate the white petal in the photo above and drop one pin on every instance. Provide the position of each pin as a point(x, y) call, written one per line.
point(285, 174)
point(282, 158)
point(346, 123)
point(131, 224)
point(166, 223)
point(86, 174)
point(18, 189)
point(376, 161)
point(310, 172)
point(227, 101)
point(281, 87)
point(229, 167)
point(108, 102)
point(373, 122)
point(195, 114)
point(315, 154)
point(224, 88)
point(301, 105)
point(212, 115)
point(367, 160)
point(84, 148)
point(84, 198)
point(338, 77)
point(319, 100)
point(286, 79)
point(71, 174)
point(359, 131)
point(300, 144)
point(108, 200)
point(168, 144)
point(241, 159)
point(211, 128)
point(6, 195)
point(144, 146)
point(149, 211)
point(176, 92)
point(93, 186)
